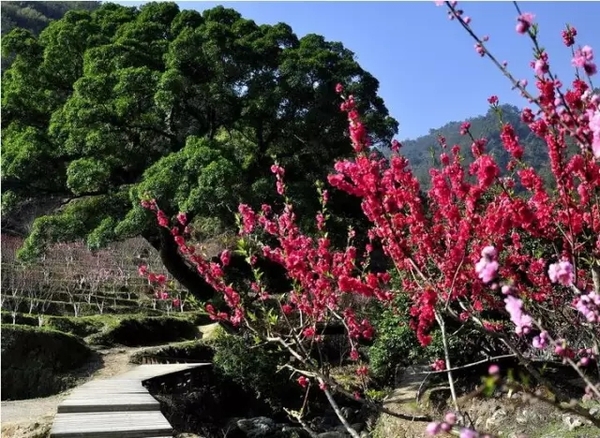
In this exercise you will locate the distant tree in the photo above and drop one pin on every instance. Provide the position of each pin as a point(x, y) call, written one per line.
point(106, 106)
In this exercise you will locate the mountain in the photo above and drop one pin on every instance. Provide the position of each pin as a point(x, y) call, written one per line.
point(424, 151)
point(35, 16)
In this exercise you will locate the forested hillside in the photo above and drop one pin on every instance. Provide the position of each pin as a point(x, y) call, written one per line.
point(35, 16)
point(419, 151)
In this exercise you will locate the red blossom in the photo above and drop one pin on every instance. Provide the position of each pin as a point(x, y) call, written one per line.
point(303, 381)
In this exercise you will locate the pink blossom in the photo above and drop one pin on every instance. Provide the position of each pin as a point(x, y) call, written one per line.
point(225, 257)
point(540, 67)
point(589, 306)
point(433, 429)
point(583, 59)
point(487, 271)
point(524, 22)
point(489, 252)
point(594, 125)
point(561, 272)
point(487, 267)
point(493, 369)
point(182, 218)
point(540, 341)
point(302, 381)
point(522, 321)
point(450, 418)
point(468, 433)
point(439, 365)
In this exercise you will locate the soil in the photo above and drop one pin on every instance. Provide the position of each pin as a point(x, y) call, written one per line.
point(513, 416)
point(33, 418)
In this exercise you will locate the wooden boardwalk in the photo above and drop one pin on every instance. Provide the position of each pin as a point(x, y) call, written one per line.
point(116, 407)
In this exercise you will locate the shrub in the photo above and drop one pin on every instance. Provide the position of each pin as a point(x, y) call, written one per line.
point(193, 351)
point(21, 319)
point(256, 370)
point(136, 331)
point(80, 326)
point(34, 361)
point(395, 345)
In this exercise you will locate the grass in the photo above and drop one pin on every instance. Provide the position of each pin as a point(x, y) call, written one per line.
point(559, 429)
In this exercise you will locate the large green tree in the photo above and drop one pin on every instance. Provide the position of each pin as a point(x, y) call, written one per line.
point(191, 108)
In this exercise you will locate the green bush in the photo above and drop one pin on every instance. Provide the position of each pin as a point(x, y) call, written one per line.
point(255, 369)
point(141, 331)
point(395, 343)
point(193, 351)
point(21, 319)
point(35, 360)
point(198, 318)
point(80, 326)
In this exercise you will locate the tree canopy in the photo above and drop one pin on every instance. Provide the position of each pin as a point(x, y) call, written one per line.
point(191, 108)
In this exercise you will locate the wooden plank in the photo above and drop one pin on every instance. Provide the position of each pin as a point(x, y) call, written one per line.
point(110, 403)
point(144, 372)
point(111, 425)
point(132, 398)
point(116, 407)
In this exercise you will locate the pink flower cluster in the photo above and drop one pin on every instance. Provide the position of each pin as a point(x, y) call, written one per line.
point(583, 58)
point(487, 267)
point(589, 306)
point(594, 124)
point(446, 426)
point(562, 273)
point(524, 22)
point(521, 320)
point(158, 281)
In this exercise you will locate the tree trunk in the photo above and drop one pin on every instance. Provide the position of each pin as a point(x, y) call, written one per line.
point(178, 267)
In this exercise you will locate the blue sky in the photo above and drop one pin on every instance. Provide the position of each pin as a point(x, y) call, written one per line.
point(427, 67)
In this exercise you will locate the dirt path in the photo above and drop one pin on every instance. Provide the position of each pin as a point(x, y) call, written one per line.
point(403, 401)
point(32, 418)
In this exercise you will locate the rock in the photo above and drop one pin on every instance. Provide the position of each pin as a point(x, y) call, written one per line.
point(256, 427)
point(356, 426)
point(572, 422)
point(324, 424)
point(291, 432)
point(526, 416)
point(594, 411)
point(332, 434)
point(496, 419)
point(348, 413)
